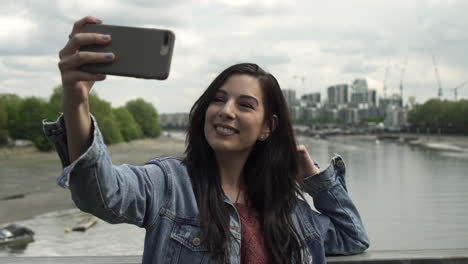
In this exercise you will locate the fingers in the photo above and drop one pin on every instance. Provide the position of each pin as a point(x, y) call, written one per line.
point(302, 149)
point(71, 58)
point(82, 39)
point(78, 26)
point(72, 77)
point(307, 166)
point(72, 62)
point(303, 153)
point(74, 43)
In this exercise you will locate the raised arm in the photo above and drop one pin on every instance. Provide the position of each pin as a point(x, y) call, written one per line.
point(116, 194)
point(77, 84)
point(340, 223)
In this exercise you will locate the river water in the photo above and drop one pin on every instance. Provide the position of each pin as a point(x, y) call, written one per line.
point(408, 199)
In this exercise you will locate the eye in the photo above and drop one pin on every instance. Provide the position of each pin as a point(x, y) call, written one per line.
point(219, 99)
point(246, 105)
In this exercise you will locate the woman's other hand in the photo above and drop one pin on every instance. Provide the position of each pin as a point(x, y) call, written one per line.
point(76, 83)
point(306, 164)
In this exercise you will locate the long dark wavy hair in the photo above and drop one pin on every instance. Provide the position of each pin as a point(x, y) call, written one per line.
point(270, 173)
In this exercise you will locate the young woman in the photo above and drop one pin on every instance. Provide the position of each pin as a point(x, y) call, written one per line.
point(236, 196)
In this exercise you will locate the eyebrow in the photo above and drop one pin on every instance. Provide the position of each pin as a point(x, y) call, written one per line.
point(243, 96)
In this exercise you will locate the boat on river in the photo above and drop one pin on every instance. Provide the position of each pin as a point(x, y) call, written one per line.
point(15, 235)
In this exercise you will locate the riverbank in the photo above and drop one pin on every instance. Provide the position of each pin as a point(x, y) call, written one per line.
point(27, 181)
point(434, 142)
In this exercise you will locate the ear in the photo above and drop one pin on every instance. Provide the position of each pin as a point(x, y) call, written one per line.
point(268, 127)
point(274, 122)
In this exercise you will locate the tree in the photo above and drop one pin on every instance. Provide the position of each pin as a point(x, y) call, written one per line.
point(55, 100)
point(3, 123)
point(127, 124)
point(451, 117)
point(11, 104)
point(31, 112)
point(107, 121)
point(146, 117)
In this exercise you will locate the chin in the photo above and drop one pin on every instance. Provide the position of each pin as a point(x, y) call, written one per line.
point(222, 146)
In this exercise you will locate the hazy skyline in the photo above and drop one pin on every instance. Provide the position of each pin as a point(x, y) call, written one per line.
point(326, 42)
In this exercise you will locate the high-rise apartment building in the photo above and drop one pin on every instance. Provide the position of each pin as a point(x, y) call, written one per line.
point(337, 95)
point(361, 95)
point(311, 99)
point(290, 97)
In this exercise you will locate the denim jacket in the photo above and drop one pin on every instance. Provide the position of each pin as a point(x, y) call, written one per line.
point(159, 197)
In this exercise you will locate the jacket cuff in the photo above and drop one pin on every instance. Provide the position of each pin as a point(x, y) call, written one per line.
point(326, 179)
point(57, 134)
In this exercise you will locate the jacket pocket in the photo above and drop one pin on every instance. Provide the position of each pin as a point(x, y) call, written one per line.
point(188, 245)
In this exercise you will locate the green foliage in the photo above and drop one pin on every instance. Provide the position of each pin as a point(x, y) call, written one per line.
point(55, 101)
point(106, 119)
point(3, 123)
point(11, 105)
point(3, 114)
point(22, 118)
point(376, 119)
point(146, 117)
point(447, 115)
point(31, 112)
point(127, 124)
point(3, 137)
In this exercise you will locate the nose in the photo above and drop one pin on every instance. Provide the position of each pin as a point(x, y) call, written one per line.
point(227, 111)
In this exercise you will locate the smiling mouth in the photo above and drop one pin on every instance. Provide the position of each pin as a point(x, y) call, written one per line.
point(225, 130)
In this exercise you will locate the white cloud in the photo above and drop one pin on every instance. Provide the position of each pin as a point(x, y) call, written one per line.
point(327, 42)
point(15, 31)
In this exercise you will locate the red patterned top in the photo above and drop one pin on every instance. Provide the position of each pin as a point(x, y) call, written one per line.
point(253, 248)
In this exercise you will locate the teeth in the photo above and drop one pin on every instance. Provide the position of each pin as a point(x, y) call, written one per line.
point(224, 130)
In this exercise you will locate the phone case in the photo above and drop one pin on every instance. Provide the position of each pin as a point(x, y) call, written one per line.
point(140, 52)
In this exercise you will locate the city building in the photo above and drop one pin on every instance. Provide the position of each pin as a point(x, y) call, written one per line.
point(311, 99)
point(384, 103)
point(372, 96)
point(338, 108)
point(175, 120)
point(295, 112)
point(290, 97)
point(348, 116)
point(412, 102)
point(361, 96)
point(309, 114)
point(395, 118)
point(337, 95)
point(359, 86)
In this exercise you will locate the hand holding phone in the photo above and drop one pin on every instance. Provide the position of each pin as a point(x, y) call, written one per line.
point(139, 52)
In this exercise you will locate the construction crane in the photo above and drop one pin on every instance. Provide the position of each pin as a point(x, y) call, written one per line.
point(385, 79)
point(455, 90)
point(302, 78)
point(401, 79)
point(437, 77)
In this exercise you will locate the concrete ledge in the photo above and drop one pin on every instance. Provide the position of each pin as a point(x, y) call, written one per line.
point(439, 256)
point(73, 260)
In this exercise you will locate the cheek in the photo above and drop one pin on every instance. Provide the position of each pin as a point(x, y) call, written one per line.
point(210, 111)
point(257, 122)
point(208, 118)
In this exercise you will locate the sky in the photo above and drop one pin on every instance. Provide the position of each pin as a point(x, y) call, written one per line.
point(323, 42)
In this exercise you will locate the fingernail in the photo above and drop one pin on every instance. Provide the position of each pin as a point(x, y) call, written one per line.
point(101, 76)
point(109, 55)
point(98, 20)
point(105, 37)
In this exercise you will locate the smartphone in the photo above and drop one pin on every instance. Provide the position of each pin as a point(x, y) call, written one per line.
point(139, 52)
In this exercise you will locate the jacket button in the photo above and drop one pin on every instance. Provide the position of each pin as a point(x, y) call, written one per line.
point(340, 164)
point(196, 241)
